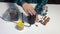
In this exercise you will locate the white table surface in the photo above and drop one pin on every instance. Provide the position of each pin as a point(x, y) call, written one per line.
point(53, 27)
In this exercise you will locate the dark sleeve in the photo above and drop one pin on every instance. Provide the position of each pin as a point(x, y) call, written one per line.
point(20, 2)
point(39, 6)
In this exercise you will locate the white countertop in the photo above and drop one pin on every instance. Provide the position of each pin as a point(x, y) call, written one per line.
point(53, 27)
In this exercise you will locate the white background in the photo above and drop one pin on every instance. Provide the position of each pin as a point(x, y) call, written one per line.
point(53, 27)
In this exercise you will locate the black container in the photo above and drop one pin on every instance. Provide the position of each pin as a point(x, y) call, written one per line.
point(13, 16)
point(31, 19)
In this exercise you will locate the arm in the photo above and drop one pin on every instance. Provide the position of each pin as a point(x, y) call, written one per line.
point(40, 5)
point(27, 7)
point(20, 2)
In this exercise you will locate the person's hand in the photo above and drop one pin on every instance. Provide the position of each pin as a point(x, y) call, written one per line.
point(29, 9)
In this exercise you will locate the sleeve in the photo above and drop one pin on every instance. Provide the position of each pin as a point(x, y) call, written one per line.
point(39, 6)
point(20, 2)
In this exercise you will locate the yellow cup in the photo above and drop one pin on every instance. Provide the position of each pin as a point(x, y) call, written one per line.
point(20, 25)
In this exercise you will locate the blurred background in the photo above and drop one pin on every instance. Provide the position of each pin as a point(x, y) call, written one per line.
point(49, 1)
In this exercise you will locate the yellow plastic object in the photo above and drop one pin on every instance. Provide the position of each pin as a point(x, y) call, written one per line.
point(20, 25)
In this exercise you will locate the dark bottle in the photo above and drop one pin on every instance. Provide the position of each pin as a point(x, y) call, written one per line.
point(31, 19)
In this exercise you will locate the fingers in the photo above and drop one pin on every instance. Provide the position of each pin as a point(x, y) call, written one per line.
point(29, 9)
point(32, 11)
